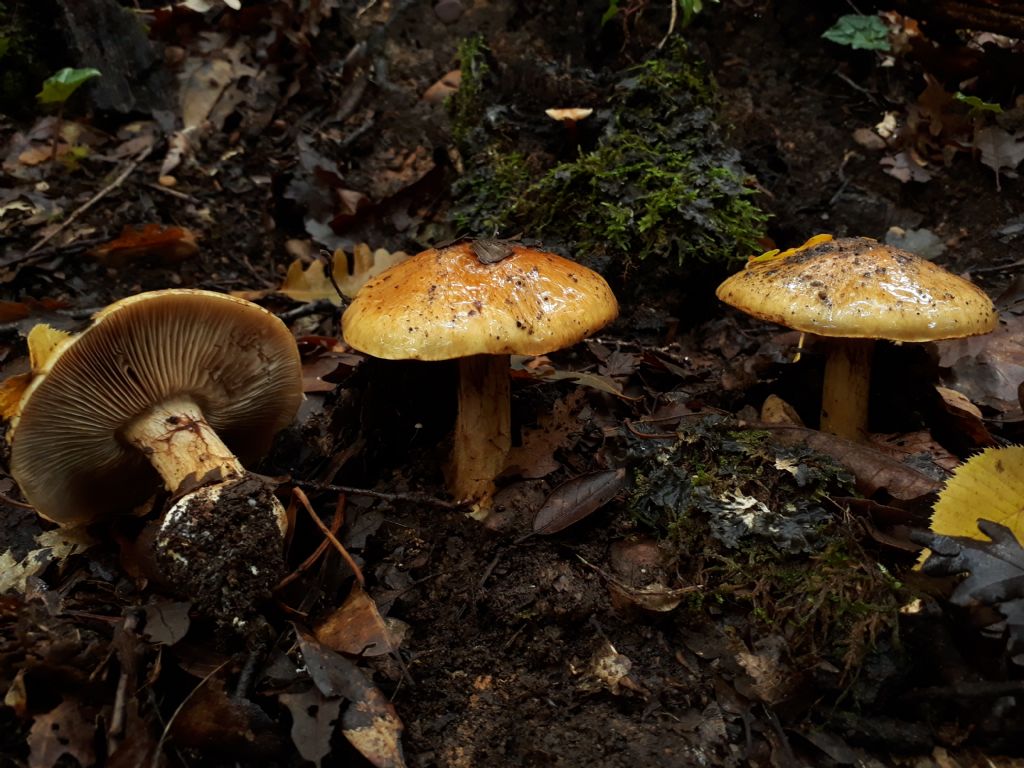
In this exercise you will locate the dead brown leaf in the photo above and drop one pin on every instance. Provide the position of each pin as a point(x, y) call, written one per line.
point(358, 629)
point(155, 242)
point(576, 499)
point(314, 719)
point(65, 730)
point(370, 722)
point(873, 469)
point(535, 458)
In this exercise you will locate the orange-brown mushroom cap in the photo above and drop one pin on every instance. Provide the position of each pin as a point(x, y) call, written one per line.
point(448, 303)
point(859, 288)
point(237, 361)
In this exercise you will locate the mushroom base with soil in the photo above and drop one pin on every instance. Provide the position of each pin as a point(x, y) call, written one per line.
point(221, 547)
point(483, 429)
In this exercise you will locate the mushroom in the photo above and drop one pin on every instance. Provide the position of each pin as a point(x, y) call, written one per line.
point(569, 117)
point(479, 302)
point(165, 385)
point(855, 291)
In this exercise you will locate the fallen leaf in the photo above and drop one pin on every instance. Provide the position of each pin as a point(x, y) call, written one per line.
point(576, 499)
point(988, 369)
point(904, 168)
point(989, 485)
point(167, 621)
point(535, 458)
point(312, 283)
point(370, 722)
point(212, 721)
point(873, 469)
point(995, 577)
point(522, 367)
point(357, 628)
point(314, 718)
point(166, 245)
point(64, 730)
point(1001, 150)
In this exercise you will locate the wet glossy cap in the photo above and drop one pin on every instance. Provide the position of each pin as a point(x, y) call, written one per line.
point(468, 299)
point(859, 288)
point(237, 361)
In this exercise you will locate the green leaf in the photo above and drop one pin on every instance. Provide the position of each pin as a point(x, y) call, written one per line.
point(976, 105)
point(58, 87)
point(866, 33)
point(610, 12)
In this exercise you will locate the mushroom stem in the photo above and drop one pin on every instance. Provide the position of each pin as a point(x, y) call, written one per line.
point(483, 430)
point(844, 400)
point(179, 443)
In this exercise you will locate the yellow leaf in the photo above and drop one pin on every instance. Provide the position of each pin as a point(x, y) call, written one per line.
point(989, 486)
point(777, 254)
point(11, 390)
point(312, 284)
point(43, 342)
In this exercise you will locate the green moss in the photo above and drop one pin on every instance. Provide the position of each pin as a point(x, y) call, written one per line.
point(466, 106)
point(658, 182)
point(753, 520)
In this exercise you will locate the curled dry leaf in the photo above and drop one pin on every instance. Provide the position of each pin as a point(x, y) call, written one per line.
point(358, 629)
point(576, 499)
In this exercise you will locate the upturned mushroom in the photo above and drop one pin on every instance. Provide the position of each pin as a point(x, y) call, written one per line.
point(164, 388)
point(479, 302)
point(855, 291)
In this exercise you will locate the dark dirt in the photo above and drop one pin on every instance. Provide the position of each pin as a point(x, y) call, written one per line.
point(525, 649)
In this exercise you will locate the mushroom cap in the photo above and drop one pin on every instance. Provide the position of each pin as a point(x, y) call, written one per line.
point(569, 113)
point(859, 288)
point(237, 361)
point(447, 303)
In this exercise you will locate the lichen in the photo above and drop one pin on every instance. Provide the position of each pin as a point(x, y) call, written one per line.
point(659, 181)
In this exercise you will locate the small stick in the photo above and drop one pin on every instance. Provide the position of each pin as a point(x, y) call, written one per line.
point(416, 498)
point(305, 565)
point(301, 496)
point(91, 201)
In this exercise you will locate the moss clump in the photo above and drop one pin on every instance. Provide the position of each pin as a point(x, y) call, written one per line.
point(466, 106)
point(751, 521)
point(658, 181)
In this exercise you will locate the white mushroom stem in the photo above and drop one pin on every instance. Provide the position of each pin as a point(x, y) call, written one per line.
point(483, 430)
point(178, 442)
point(185, 450)
point(844, 400)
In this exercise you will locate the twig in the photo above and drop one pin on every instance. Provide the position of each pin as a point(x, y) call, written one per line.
point(173, 193)
point(301, 495)
point(415, 498)
point(999, 267)
point(305, 565)
point(671, 24)
point(321, 306)
point(91, 201)
point(155, 763)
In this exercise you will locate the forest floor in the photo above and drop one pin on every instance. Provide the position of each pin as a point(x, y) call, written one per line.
point(644, 619)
